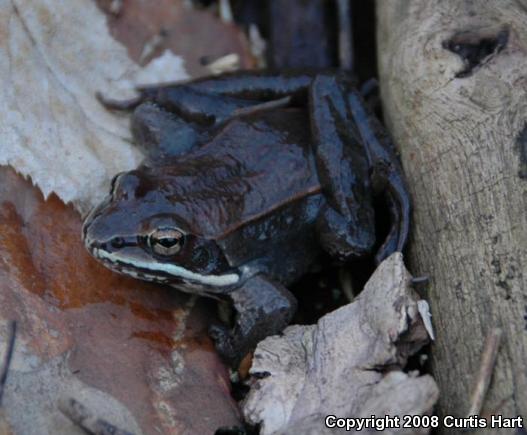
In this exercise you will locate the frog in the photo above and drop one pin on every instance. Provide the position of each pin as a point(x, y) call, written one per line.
point(248, 178)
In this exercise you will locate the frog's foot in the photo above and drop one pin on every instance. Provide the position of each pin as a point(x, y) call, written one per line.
point(346, 227)
point(400, 218)
point(344, 238)
point(224, 342)
point(352, 146)
point(160, 134)
point(368, 87)
point(263, 307)
point(190, 105)
point(386, 175)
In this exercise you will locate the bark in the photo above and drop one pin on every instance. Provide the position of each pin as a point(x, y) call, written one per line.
point(453, 86)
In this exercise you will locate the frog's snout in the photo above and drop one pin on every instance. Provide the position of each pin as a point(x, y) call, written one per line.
point(85, 230)
point(87, 226)
point(88, 236)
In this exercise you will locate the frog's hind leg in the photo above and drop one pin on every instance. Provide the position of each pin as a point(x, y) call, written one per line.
point(213, 100)
point(264, 307)
point(160, 134)
point(341, 123)
point(386, 174)
point(346, 226)
point(191, 105)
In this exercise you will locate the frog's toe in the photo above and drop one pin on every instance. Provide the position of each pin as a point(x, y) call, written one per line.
point(396, 233)
point(161, 134)
point(344, 239)
point(224, 343)
point(398, 201)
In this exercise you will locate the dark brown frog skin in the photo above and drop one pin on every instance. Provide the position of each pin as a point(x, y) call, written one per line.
point(247, 179)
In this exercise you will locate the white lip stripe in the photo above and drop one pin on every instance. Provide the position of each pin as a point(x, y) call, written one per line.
point(172, 269)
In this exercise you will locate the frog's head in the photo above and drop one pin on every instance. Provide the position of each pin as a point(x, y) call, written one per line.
point(134, 231)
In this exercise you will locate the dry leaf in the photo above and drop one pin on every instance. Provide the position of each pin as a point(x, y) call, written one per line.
point(54, 57)
point(348, 365)
point(135, 354)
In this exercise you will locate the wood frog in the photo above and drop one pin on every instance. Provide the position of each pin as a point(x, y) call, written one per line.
point(247, 179)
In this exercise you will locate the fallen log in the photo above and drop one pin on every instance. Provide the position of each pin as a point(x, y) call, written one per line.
point(454, 87)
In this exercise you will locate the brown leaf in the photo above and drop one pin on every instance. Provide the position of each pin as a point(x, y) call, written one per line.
point(149, 28)
point(136, 354)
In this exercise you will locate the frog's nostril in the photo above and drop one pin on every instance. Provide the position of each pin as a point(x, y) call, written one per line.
point(117, 242)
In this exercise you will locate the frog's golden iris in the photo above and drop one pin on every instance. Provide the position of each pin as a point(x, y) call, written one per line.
point(166, 241)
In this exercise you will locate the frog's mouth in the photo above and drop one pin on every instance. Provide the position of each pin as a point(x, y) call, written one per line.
point(166, 273)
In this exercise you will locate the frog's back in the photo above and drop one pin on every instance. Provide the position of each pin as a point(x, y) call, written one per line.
point(252, 169)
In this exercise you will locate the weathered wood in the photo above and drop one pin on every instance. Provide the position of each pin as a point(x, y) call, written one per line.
point(348, 364)
point(461, 127)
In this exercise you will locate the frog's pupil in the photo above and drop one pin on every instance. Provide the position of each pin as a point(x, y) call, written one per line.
point(168, 242)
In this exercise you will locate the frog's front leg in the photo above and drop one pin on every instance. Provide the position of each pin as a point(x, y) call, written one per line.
point(263, 307)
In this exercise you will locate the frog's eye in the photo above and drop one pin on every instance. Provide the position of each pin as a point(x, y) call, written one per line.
point(166, 241)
